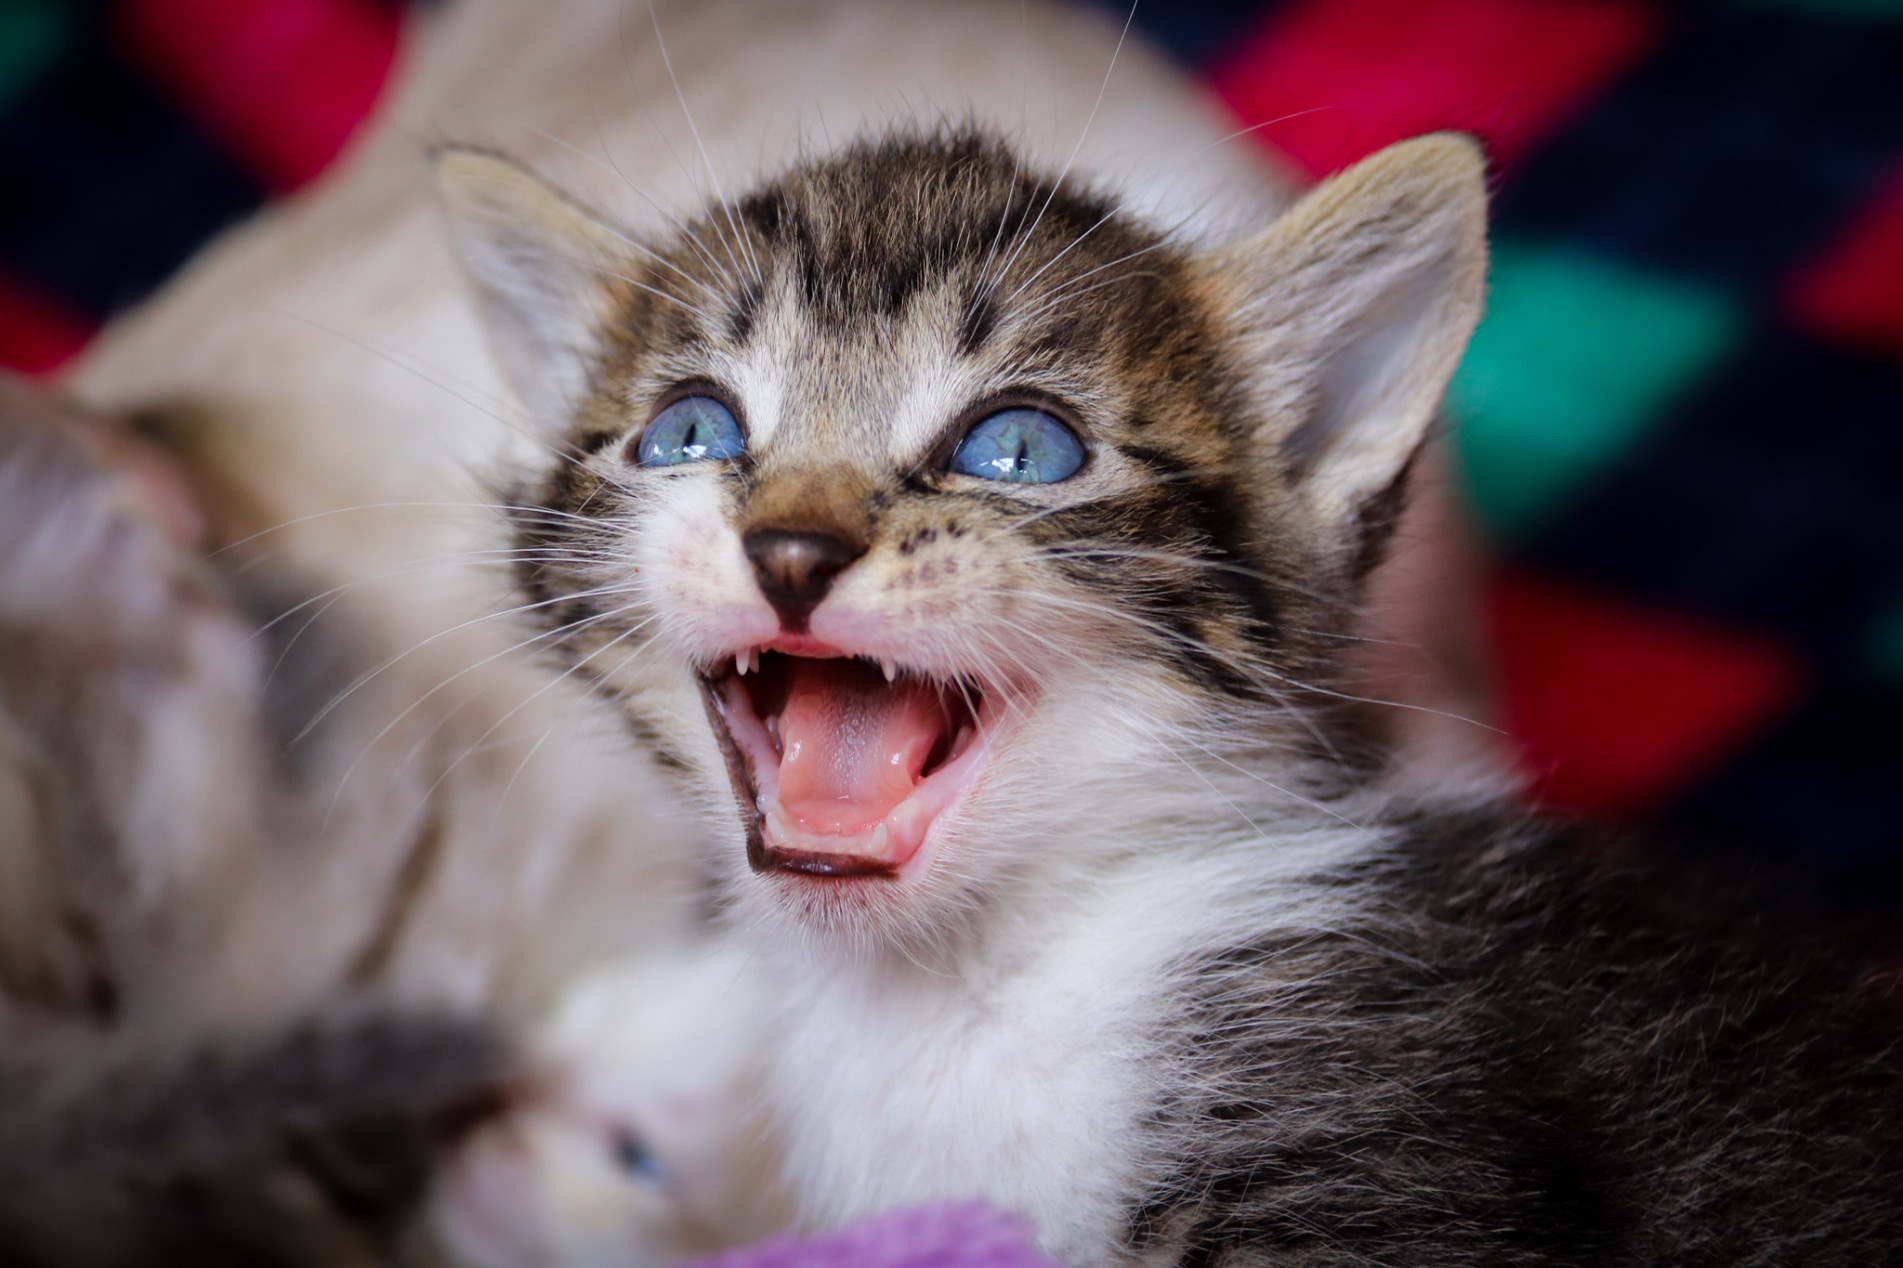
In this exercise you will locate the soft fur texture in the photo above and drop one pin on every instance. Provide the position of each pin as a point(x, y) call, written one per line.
point(1178, 975)
point(128, 715)
point(1180, 978)
point(634, 1140)
point(146, 783)
point(314, 1145)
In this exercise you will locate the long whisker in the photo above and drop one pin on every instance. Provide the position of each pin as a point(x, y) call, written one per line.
point(1074, 243)
point(985, 283)
point(719, 194)
point(1025, 238)
point(460, 626)
point(1048, 304)
point(1069, 283)
point(491, 410)
point(427, 564)
point(554, 682)
point(1071, 653)
point(1252, 667)
point(532, 435)
point(425, 697)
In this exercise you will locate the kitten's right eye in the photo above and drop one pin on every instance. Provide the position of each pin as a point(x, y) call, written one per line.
point(692, 429)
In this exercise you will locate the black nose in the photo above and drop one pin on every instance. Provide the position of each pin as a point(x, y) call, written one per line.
point(795, 570)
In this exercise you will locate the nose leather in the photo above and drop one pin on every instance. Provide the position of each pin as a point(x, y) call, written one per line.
point(794, 570)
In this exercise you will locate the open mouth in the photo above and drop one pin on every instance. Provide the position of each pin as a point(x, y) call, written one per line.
point(843, 765)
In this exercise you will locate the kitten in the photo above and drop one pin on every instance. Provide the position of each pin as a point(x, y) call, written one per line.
point(179, 742)
point(140, 1122)
point(982, 556)
point(468, 827)
point(127, 719)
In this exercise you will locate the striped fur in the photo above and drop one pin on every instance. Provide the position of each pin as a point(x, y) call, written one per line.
point(1182, 978)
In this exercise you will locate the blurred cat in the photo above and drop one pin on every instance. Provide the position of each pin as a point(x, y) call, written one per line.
point(489, 829)
point(315, 1144)
point(637, 1137)
point(136, 799)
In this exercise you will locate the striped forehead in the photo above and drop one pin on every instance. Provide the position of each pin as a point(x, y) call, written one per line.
point(886, 390)
point(880, 296)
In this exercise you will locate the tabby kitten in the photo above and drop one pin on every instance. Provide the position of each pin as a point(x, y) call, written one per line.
point(983, 557)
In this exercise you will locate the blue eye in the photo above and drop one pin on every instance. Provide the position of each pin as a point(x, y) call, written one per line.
point(692, 429)
point(1025, 446)
point(633, 1157)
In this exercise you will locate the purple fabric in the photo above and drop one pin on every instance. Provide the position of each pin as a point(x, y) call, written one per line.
point(953, 1235)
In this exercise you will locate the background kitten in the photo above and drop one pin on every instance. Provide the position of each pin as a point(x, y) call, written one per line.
point(140, 1124)
point(131, 794)
point(637, 1137)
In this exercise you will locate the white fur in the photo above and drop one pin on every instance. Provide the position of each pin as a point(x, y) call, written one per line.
point(1029, 1070)
point(663, 1051)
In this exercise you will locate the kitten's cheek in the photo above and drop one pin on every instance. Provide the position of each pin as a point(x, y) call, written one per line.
point(706, 612)
point(485, 1202)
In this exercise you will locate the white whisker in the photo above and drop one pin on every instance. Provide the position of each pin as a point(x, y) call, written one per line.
point(720, 196)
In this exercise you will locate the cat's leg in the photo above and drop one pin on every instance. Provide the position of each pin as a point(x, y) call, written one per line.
point(307, 1145)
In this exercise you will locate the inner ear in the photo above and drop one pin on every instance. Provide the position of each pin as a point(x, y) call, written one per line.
point(544, 270)
point(1352, 311)
point(1361, 386)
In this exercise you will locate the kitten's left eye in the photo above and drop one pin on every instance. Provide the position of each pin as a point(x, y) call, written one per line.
point(634, 1158)
point(1024, 446)
point(692, 429)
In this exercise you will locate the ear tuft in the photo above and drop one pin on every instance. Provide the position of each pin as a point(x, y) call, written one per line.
point(1353, 310)
point(543, 268)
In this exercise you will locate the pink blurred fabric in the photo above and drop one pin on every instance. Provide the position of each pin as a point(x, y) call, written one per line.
point(956, 1235)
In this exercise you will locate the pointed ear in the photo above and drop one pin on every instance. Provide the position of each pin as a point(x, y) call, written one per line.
point(1354, 308)
point(542, 268)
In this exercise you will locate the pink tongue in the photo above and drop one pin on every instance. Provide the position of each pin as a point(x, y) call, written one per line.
point(853, 744)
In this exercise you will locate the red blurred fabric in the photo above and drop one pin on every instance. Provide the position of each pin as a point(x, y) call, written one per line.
point(282, 83)
point(1855, 291)
point(1335, 80)
point(1613, 708)
point(38, 333)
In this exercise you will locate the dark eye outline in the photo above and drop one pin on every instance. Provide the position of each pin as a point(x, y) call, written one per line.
point(635, 1159)
point(687, 392)
point(974, 419)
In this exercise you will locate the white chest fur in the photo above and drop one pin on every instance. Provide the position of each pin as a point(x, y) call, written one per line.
point(1025, 1077)
point(901, 1086)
